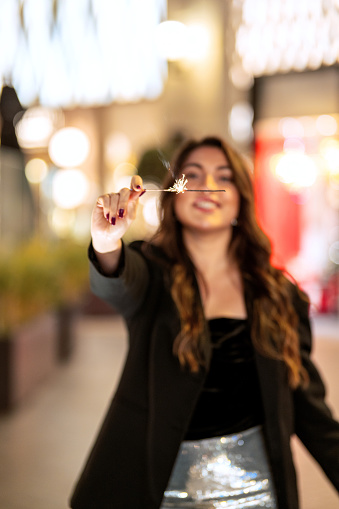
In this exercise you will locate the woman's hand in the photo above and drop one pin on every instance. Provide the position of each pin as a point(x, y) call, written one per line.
point(113, 214)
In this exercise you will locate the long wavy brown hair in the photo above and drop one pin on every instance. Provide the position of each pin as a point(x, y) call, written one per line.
point(275, 323)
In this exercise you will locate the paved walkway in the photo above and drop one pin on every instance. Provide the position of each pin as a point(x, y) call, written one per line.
point(44, 443)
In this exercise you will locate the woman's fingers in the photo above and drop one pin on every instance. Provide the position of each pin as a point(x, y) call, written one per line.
point(104, 202)
point(137, 184)
point(115, 205)
point(111, 214)
point(122, 203)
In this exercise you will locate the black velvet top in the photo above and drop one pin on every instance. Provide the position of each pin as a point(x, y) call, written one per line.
point(230, 401)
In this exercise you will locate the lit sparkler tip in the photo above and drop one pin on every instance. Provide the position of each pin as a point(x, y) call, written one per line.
point(180, 186)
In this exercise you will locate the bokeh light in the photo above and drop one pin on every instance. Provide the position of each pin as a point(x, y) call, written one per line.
point(296, 169)
point(118, 148)
point(70, 188)
point(326, 125)
point(150, 210)
point(36, 170)
point(81, 230)
point(329, 150)
point(291, 127)
point(122, 176)
point(198, 42)
point(177, 41)
point(69, 147)
point(333, 252)
point(295, 144)
point(36, 126)
point(240, 78)
point(62, 221)
point(171, 40)
point(240, 122)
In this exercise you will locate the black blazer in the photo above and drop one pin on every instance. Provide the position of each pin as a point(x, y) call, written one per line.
point(133, 455)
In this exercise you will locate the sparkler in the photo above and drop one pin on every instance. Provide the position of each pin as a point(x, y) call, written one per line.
point(180, 186)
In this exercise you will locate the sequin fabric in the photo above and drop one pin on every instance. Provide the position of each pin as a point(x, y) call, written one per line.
point(222, 473)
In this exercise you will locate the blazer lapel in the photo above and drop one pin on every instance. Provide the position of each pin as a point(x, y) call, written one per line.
point(278, 419)
point(173, 392)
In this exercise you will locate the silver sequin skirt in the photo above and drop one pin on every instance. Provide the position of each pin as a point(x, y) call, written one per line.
point(231, 471)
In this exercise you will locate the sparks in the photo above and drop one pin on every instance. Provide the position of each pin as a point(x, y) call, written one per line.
point(179, 185)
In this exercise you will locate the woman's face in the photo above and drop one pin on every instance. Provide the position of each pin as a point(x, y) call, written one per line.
point(207, 169)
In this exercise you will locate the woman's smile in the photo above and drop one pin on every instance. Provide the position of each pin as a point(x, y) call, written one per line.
point(206, 204)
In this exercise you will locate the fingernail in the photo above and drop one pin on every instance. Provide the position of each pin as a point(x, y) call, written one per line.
point(144, 191)
point(107, 216)
point(113, 221)
point(121, 212)
point(138, 187)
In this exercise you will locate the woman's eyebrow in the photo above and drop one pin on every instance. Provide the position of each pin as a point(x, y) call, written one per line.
point(224, 167)
point(200, 167)
point(195, 165)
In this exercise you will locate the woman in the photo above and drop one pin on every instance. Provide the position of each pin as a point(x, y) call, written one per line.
point(218, 374)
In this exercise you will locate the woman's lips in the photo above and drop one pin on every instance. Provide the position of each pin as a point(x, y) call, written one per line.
point(206, 204)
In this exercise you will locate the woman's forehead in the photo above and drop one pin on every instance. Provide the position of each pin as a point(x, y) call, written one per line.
point(206, 154)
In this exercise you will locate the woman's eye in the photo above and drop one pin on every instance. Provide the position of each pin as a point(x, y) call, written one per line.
point(191, 176)
point(226, 178)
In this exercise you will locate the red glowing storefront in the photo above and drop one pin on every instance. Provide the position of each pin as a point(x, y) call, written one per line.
point(297, 177)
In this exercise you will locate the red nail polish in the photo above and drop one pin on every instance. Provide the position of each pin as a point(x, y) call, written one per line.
point(121, 212)
point(113, 221)
point(144, 191)
point(107, 216)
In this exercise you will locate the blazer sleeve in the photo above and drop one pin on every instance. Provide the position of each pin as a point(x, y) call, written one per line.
point(126, 288)
point(314, 422)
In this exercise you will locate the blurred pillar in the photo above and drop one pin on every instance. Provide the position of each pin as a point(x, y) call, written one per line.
point(16, 201)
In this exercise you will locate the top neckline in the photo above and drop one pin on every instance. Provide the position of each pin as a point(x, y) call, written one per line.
point(233, 318)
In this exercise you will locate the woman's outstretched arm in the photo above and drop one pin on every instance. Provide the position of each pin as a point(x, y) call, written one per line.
point(111, 218)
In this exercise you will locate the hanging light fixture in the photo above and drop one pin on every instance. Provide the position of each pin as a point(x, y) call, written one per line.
point(283, 36)
point(67, 53)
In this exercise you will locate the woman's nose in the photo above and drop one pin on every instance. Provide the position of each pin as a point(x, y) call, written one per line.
point(210, 183)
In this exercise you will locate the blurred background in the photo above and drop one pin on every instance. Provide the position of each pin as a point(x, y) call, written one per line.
point(92, 92)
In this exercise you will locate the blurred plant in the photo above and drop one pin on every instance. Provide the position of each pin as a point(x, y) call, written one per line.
point(40, 276)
